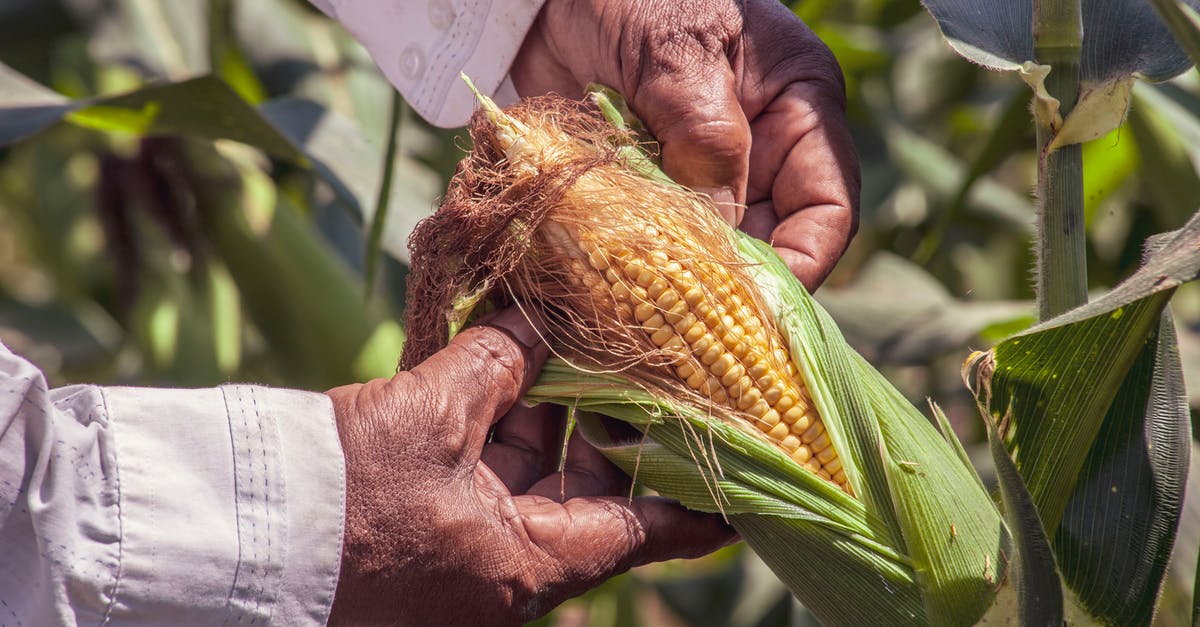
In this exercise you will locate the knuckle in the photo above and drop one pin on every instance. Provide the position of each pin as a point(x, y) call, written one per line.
point(495, 358)
point(827, 71)
point(720, 139)
point(786, 52)
point(679, 38)
point(811, 63)
point(415, 417)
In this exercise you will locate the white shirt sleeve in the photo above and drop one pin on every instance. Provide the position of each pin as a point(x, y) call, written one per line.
point(423, 45)
point(153, 507)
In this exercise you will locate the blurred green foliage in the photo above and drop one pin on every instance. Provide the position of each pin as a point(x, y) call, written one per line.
point(230, 243)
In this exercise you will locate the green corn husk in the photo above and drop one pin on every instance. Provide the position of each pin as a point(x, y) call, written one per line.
point(919, 541)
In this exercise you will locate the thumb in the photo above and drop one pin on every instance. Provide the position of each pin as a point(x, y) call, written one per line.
point(703, 131)
point(481, 373)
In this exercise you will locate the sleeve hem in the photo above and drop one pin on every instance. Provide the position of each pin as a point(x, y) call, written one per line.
point(231, 505)
point(313, 469)
point(423, 49)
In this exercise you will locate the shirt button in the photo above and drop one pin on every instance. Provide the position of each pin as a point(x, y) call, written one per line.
point(412, 62)
point(441, 14)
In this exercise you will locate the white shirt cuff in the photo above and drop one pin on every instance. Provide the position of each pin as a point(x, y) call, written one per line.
point(421, 47)
point(231, 505)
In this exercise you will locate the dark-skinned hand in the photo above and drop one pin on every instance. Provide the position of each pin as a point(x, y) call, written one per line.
point(444, 527)
point(746, 102)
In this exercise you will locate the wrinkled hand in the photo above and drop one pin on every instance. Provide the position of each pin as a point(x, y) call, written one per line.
point(446, 528)
point(746, 102)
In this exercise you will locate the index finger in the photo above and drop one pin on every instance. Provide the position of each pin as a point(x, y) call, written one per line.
point(803, 189)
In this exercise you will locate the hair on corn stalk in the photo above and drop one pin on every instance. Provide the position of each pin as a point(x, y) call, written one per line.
point(749, 400)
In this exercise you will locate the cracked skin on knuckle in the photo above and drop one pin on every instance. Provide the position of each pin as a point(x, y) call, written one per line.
point(493, 359)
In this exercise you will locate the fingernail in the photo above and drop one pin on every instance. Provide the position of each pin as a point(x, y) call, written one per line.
point(723, 198)
point(527, 330)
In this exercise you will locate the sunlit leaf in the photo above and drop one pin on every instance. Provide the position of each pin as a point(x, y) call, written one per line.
point(1108, 162)
point(1058, 379)
point(117, 119)
point(225, 54)
point(202, 107)
point(352, 164)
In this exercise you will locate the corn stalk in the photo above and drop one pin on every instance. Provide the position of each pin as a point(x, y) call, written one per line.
point(1061, 243)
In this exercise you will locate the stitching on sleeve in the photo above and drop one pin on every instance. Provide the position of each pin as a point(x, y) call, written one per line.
point(253, 594)
point(254, 504)
point(262, 447)
point(451, 52)
point(24, 389)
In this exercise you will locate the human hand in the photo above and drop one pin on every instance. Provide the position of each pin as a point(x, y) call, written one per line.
point(446, 528)
point(746, 102)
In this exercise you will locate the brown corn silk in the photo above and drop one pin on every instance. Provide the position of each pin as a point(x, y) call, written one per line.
point(632, 275)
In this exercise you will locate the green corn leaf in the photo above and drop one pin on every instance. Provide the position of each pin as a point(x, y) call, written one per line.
point(1124, 37)
point(1092, 410)
point(1136, 474)
point(1183, 21)
point(914, 460)
point(1036, 581)
point(1059, 378)
point(1130, 492)
point(815, 537)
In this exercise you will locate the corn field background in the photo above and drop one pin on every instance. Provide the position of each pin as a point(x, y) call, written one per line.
point(184, 187)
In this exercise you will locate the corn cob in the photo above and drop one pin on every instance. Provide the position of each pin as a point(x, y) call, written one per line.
point(713, 339)
point(634, 277)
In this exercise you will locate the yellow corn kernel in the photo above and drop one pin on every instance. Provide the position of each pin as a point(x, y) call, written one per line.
point(718, 346)
point(749, 396)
